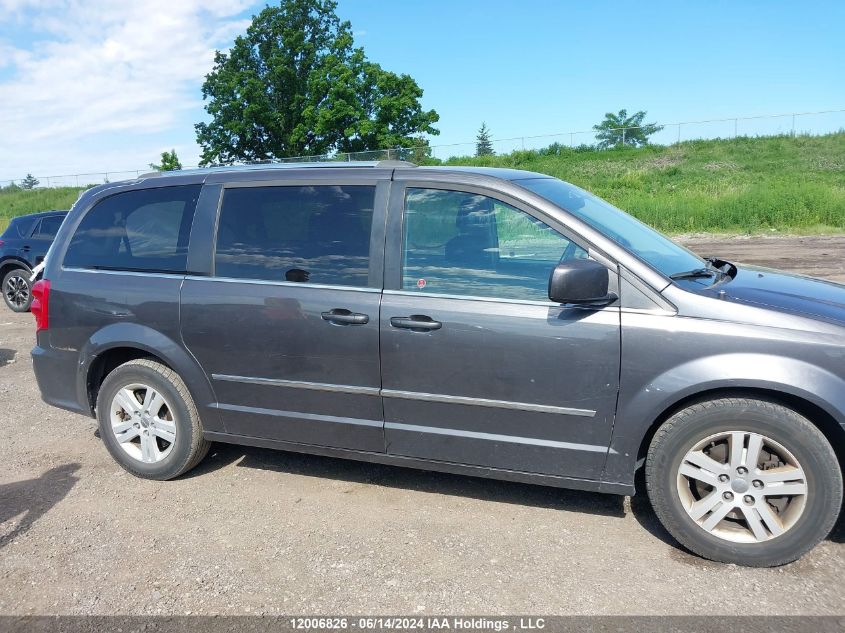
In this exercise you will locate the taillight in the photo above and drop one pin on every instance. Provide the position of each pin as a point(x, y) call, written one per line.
point(1, 243)
point(40, 307)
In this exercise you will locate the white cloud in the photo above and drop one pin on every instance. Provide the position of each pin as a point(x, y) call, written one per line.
point(105, 74)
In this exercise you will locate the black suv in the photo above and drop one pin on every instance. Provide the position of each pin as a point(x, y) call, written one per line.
point(491, 322)
point(23, 246)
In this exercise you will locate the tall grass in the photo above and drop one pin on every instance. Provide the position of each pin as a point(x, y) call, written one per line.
point(743, 185)
point(15, 202)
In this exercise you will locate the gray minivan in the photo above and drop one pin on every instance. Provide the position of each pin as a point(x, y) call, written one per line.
point(490, 322)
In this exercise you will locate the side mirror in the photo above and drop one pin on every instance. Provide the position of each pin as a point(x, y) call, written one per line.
point(580, 282)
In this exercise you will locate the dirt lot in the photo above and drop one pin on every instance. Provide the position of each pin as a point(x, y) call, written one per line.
point(256, 531)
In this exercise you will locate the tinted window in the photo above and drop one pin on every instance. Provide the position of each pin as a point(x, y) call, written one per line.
point(145, 230)
point(316, 234)
point(49, 226)
point(466, 244)
point(18, 227)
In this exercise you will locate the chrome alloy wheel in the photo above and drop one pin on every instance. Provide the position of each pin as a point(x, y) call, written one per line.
point(143, 423)
point(742, 487)
point(17, 290)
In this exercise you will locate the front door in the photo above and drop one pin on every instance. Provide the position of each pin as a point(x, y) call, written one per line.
point(287, 326)
point(478, 367)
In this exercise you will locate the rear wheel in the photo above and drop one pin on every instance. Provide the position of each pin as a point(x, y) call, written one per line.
point(17, 290)
point(744, 481)
point(148, 420)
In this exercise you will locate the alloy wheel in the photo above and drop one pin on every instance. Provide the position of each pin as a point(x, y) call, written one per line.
point(143, 423)
point(742, 487)
point(17, 290)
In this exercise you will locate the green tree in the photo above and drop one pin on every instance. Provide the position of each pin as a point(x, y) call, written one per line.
point(30, 182)
point(483, 142)
point(295, 85)
point(169, 162)
point(621, 130)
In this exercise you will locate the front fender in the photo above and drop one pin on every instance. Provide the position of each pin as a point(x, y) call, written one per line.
point(155, 343)
point(640, 406)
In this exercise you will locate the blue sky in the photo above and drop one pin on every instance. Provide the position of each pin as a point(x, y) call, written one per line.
point(99, 85)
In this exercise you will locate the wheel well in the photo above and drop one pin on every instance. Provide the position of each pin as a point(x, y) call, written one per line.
point(817, 416)
point(109, 360)
point(11, 264)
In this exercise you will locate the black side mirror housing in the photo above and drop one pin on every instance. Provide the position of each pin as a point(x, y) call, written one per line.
point(580, 282)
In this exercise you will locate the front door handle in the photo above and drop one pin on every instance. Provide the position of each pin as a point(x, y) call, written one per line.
point(26, 248)
point(342, 316)
point(418, 322)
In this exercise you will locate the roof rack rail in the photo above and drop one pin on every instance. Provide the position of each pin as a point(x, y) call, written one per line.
point(396, 164)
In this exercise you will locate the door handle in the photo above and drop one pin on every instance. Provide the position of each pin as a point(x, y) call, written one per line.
point(26, 247)
point(418, 322)
point(342, 316)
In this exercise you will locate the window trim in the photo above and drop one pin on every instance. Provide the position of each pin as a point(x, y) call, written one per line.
point(381, 190)
point(395, 250)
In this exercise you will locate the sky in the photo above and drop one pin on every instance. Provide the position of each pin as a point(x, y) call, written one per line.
point(90, 86)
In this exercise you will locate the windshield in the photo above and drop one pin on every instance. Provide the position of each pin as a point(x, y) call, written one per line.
point(644, 242)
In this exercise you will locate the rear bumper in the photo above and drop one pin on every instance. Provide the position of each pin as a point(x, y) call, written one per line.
point(55, 372)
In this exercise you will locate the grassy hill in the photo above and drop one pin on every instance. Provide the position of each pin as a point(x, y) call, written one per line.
point(15, 202)
point(743, 185)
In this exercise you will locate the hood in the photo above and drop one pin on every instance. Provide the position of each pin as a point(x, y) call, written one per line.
point(784, 292)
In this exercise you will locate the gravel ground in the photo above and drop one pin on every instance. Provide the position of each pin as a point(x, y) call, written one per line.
point(255, 531)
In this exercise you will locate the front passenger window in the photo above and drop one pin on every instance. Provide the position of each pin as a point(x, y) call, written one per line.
point(461, 243)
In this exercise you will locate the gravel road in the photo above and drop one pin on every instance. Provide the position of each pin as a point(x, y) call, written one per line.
point(254, 531)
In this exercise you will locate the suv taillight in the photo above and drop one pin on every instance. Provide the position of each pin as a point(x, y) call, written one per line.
point(40, 307)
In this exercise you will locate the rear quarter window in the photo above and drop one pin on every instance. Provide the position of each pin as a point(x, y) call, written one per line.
point(141, 230)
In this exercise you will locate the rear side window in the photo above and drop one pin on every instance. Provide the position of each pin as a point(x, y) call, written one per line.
point(314, 234)
point(18, 227)
point(142, 230)
point(48, 227)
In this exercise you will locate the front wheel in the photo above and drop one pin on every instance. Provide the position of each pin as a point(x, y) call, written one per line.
point(148, 420)
point(17, 290)
point(744, 481)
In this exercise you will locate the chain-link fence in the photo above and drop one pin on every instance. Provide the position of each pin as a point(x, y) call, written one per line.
point(792, 124)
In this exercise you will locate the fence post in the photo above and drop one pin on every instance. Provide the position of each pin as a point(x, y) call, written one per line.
point(793, 125)
point(736, 121)
point(572, 139)
point(523, 143)
point(623, 137)
point(679, 132)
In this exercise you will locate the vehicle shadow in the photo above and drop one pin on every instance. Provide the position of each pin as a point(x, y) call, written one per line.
point(33, 498)
point(7, 356)
point(222, 455)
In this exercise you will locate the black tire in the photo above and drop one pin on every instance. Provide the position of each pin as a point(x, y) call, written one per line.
point(695, 424)
point(17, 290)
point(189, 446)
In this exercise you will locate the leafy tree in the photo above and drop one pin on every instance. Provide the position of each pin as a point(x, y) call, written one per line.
point(29, 182)
point(621, 130)
point(295, 85)
point(169, 162)
point(483, 142)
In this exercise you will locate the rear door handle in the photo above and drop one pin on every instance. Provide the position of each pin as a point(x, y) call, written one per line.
point(342, 316)
point(418, 322)
point(26, 247)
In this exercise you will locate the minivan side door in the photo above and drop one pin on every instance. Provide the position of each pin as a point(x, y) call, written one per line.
point(478, 366)
point(286, 324)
